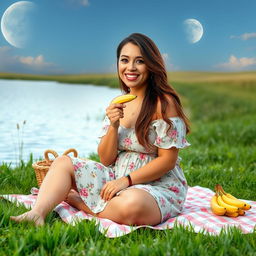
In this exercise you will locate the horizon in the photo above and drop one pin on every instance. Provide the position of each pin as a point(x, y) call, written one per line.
point(82, 35)
point(115, 73)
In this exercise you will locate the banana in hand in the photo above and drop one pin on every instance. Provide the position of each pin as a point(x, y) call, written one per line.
point(124, 98)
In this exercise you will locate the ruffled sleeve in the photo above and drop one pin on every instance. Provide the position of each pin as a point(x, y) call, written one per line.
point(104, 128)
point(175, 137)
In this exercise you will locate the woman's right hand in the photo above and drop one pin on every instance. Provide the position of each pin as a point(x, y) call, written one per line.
point(114, 112)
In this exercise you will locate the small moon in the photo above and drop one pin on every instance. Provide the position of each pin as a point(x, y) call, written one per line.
point(194, 30)
point(16, 23)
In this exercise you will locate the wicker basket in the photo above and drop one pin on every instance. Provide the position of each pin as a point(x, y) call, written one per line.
point(42, 167)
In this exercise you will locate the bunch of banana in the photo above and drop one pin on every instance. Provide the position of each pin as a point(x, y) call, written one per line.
point(124, 98)
point(223, 203)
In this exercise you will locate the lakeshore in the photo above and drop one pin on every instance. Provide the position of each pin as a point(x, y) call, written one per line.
point(111, 79)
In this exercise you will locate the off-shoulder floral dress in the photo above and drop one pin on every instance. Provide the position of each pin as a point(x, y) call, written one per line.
point(169, 191)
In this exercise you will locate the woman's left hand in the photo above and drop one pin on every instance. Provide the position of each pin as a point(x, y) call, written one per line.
point(109, 190)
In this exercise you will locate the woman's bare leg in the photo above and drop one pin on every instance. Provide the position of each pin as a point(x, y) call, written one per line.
point(54, 189)
point(132, 207)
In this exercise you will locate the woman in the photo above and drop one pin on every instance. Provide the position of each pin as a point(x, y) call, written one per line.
point(139, 180)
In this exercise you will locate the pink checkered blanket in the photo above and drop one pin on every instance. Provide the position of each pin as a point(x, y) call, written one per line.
point(196, 214)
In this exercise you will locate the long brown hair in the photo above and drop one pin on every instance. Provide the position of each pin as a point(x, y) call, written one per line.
point(158, 87)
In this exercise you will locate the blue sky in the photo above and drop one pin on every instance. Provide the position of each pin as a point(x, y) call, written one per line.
point(81, 36)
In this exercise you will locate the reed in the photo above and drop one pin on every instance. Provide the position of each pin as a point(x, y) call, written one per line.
point(20, 143)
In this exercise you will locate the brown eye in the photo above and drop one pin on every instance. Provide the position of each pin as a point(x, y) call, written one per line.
point(140, 61)
point(124, 60)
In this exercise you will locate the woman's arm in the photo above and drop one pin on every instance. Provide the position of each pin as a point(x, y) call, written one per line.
point(156, 168)
point(153, 170)
point(107, 149)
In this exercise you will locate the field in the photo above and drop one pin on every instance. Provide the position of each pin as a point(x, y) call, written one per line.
point(221, 107)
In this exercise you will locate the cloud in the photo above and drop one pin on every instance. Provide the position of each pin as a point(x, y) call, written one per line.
point(80, 2)
point(245, 36)
point(35, 61)
point(165, 56)
point(84, 2)
point(20, 64)
point(169, 66)
point(238, 63)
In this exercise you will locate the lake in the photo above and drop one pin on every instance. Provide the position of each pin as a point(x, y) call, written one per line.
point(57, 116)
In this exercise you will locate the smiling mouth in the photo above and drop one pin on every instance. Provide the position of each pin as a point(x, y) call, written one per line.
point(131, 77)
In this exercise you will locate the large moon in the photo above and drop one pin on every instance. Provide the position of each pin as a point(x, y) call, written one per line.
point(16, 23)
point(194, 30)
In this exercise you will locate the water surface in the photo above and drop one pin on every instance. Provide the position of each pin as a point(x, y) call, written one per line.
point(58, 116)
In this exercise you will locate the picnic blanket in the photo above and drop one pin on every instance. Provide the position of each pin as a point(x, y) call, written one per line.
point(196, 214)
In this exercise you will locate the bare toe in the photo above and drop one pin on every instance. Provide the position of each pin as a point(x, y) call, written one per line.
point(19, 218)
point(29, 216)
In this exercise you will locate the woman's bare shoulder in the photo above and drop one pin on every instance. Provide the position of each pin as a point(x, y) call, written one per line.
point(170, 110)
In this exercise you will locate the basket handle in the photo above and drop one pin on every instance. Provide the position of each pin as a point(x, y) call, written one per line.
point(71, 150)
point(46, 154)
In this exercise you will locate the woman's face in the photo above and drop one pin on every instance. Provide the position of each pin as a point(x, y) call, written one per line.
point(131, 67)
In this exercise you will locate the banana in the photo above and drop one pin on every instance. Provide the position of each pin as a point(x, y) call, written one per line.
point(241, 212)
point(229, 208)
point(234, 214)
point(245, 205)
point(124, 98)
point(216, 208)
point(231, 201)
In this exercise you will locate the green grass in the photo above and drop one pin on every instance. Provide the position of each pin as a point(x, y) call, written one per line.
point(223, 151)
point(104, 79)
point(111, 79)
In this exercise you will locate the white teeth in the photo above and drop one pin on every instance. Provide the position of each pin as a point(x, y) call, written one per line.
point(131, 76)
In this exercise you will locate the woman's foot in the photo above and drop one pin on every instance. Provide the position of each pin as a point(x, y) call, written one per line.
point(29, 216)
point(76, 201)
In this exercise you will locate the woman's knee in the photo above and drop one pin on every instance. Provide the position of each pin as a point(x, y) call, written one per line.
point(131, 210)
point(138, 207)
point(64, 162)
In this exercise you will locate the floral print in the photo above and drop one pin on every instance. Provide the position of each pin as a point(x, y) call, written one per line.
point(174, 189)
point(127, 142)
point(142, 156)
point(158, 140)
point(99, 166)
point(173, 134)
point(169, 191)
point(78, 165)
point(131, 166)
point(84, 192)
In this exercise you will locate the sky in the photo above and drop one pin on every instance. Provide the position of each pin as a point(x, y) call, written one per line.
point(81, 36)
